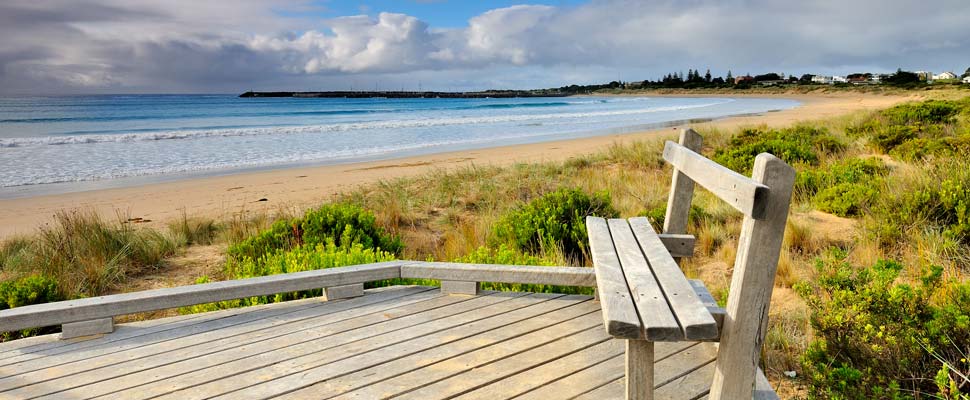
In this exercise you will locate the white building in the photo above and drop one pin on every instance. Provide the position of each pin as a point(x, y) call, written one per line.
point(945, 75)
point(839, 79)
point(966, 79)
point(822, 80)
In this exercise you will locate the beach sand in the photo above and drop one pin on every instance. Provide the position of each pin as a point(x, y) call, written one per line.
point(221, 196)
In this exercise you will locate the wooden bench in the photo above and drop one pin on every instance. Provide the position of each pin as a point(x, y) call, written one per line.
point(646, 298)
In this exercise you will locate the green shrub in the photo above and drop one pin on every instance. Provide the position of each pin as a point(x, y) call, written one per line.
point(844, 188)
point(846, 199)
point(922, 113)
point(887, 138)
point(34, 289)
point(921, 148)
point(300, 258)
point(876, 338)
point(940, 201)
point(344, 224)
point(800, 144)
point(557, 219)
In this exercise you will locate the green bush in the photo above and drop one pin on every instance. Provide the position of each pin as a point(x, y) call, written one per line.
point(921, 148)
point(844, 188)
point(800, 144)
point(940, 201)
point(300, 258)
point(555, 220)
point(889, 137)
point(846, 199)
point(344, 224)
point(922, 113)
point(34, 289)
point(876, 338)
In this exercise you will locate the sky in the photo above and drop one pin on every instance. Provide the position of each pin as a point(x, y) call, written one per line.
point(229, 46)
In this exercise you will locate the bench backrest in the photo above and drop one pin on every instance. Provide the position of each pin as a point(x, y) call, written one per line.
point(764, 199)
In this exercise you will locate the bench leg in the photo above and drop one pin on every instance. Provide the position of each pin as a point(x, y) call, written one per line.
point(639, 370)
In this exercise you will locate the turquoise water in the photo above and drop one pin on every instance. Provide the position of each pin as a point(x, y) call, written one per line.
point(105, 139)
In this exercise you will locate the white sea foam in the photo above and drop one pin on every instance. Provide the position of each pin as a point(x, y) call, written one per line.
point(337, 127)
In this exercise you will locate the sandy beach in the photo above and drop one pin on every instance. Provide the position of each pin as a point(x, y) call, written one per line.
point(221, 196)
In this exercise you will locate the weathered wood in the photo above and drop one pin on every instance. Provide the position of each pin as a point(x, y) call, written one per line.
point(656, 317)
point(216, 347)
point(417, 370)
point(619, 313)
point(707, 299)
point(759, 246)
point(160, 299)
point(741, 192)
point(681, 190)
point(639, 370)
point(762, 388)
point(305, 369)
point(694, 319)
point(678, 245)
point(459, 287)
point(343, 292)
point(561, 276)
point(87, 328)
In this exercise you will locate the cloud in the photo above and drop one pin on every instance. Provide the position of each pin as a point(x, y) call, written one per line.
point(230, 45)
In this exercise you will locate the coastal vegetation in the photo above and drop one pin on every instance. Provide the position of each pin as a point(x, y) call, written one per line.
point(872, 296)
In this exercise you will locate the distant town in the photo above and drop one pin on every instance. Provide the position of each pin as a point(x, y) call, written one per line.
point(694, 79)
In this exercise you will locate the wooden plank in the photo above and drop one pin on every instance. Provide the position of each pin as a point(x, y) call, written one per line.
point(694, 319)
point(332, 333)
point(678, 245)
point(669, 365)
point(639, 370)
point(707, 299)
point(694, 384)
point(667, 373)
point(656, 317)
point(488, 313)
point(459, 287)
point(155, 330)
point(575, 313)
point(561, 276)
point(741, 192)
point(538, 375)
point(759, 246)
point(681, 189)
point(214, 346)
point(160, 299)
point(619, 313)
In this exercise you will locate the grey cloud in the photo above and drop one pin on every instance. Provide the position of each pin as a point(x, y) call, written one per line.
point(221, 45)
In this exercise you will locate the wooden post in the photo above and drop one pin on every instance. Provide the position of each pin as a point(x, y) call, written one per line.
point(343, 291)
point(681, 188)
point(639, 369)
point(759, 246)
point(459, 287)
point(87, 328)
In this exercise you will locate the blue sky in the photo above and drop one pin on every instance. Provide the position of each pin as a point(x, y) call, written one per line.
point(437, 13)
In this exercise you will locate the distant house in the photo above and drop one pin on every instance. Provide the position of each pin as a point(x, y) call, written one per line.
point(925, 76)
point(966, 79)
point(944, 76)
point(743, 79)
point(822, 80)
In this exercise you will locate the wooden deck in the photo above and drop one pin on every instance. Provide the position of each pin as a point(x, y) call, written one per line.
point(406, 342)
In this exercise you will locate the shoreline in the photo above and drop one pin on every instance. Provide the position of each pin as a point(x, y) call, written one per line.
point(299, 187)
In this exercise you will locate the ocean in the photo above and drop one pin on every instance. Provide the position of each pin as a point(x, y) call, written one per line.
point(71, 143)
